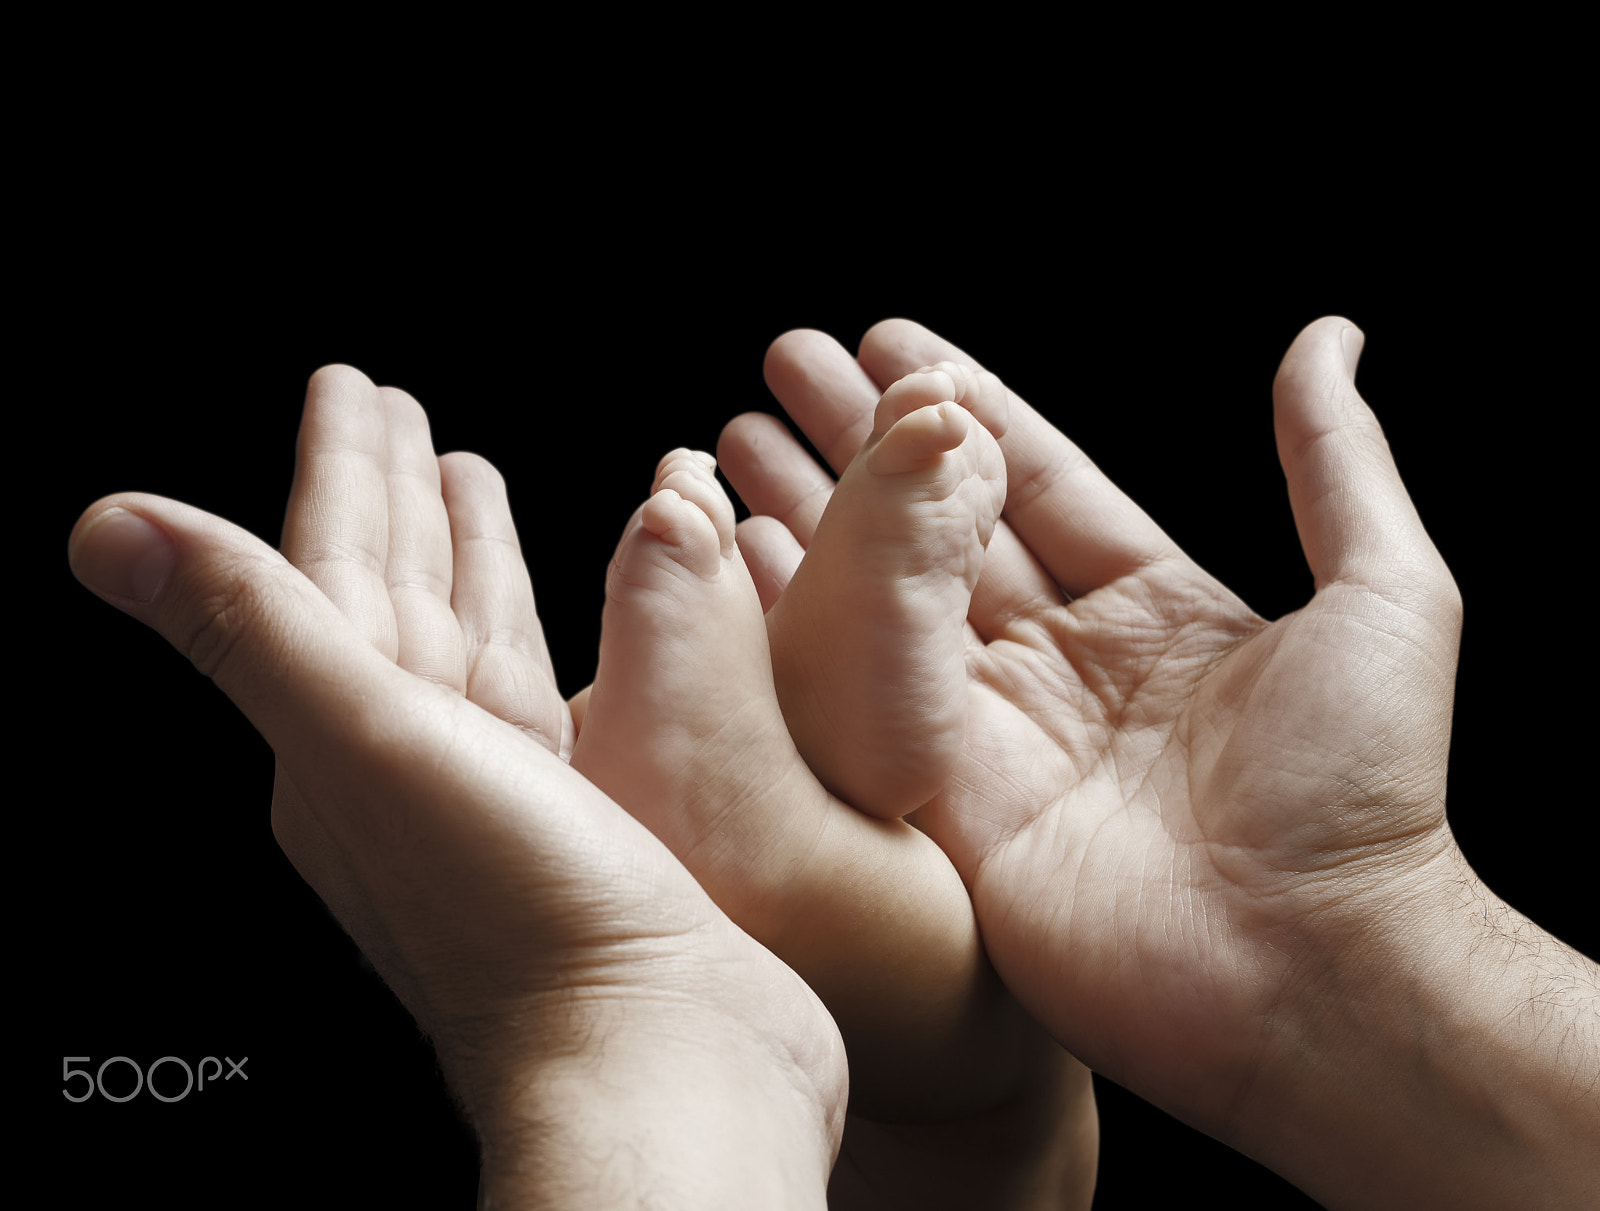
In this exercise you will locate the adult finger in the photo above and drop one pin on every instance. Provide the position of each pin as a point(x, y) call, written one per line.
point(773, 474)
point(1356, 521)
point(825, 391)
point(771, 553)
point(420, 566)
point(1081, 527)
point(508, 668)
point(336, 532)
point(336, 528)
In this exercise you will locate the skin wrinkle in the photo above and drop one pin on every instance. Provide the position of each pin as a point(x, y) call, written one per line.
point(492, 541)
point(517, 638)
point(1037, 641)
point(424, 581)
point(1017, 624)
point(331, 457)
point(1073, 637)
point(1363, 435)
point(1225, 759)
point(1118, 696)
point(228, 612)
point(1013, 690)
point(506, 669)
point(616, 574)
point(1427, 642)
point(322, 494)
point(730, 756)
point(999, 775)
point(317, 568)
point(418, 576)
point(316, 516)
point(366, 545)
point(427, 480)
point(1395, 578)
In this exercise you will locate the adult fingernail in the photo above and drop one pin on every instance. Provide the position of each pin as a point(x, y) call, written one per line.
point(123, 555)
point(1351, 341)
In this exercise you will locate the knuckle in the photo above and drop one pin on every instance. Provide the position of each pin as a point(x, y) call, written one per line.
point(228, 618)
point(224, 617)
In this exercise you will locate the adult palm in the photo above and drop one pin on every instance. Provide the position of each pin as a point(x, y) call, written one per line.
point(1176, 820)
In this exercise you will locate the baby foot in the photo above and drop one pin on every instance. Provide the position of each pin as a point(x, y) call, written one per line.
point(682, 725)
point(869, 639)
point(683, 729)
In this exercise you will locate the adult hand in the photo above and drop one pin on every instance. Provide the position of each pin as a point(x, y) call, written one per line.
point(585, 996)
point(1210, 853)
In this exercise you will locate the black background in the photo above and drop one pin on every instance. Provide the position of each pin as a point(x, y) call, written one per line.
point(573, 326)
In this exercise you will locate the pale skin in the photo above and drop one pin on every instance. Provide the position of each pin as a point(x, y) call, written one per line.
point(1209, 852)
point(1496, 1110)
point(611, 1034)
point(684, 728)
point(871, 666)
point(579, 986)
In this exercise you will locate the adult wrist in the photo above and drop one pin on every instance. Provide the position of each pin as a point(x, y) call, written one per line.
point(1447, 1052)
point(661, 1100)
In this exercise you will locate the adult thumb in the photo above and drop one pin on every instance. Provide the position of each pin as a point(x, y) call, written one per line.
point(239, 611)
point(1357, 523)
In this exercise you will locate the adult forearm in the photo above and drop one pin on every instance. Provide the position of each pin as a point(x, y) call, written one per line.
point(1452, 1060)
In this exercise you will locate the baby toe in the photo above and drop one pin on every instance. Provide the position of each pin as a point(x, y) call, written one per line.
point(692, 475)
